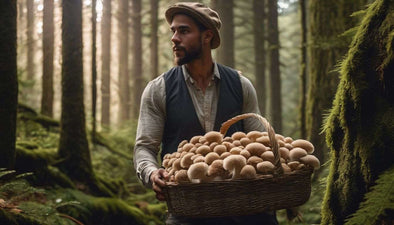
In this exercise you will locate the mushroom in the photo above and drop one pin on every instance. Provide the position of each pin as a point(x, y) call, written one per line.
point(203, 150)
point(288, 140)
point(212, 146)
point(187, 147)
point(245, 153)
point(253, 135)
point(238, 135)
point(286, 168)
point(311, 160)
point(216, 170)
point(198, 159)
point(284, 152)
point(195, 139)
point(297, 153)
point(214, 136)
point(265, 140)
point(182, 143)
point(210, 157)
point(255, 148)
point(198, 172)
point(293, 165)
point(220, 149)
point(279, 137)
point(245, 141)
point(228, 139)
point(304, 144)
point(248, 172)
point(268, 156)
point(254, 160)
point(176, 165)
point(237, 143)
point(265, 167)
point(225, 155)
point(236, 150)
point(234, 164)
point(288, 146)
point(181, 176)
point(186, 160)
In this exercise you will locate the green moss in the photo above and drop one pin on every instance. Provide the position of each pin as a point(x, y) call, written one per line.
point(360, 124)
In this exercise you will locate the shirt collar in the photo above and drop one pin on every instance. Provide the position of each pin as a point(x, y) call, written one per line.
point(187, 76)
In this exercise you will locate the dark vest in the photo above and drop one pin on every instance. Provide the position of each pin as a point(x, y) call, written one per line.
point(182, 122)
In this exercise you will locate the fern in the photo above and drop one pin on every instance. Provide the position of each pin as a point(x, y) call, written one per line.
point(377, 202)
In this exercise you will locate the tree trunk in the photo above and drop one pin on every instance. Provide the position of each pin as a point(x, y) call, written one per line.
point(154, 50)
point(359, 128)
point(124, 89)
point(275, 82)
point(48, 49)
point(94, 70)
point(259, 17)
point(302, 109)
point(328, 21)
point(30, 39)
point(225, 52)
point(106, 64)
point(137, 56)
point(73, 146)
point(8, 83)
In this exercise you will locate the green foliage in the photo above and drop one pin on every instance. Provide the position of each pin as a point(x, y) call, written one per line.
point(379, 202)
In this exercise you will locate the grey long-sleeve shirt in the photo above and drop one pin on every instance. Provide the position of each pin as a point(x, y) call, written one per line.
point(153, 114)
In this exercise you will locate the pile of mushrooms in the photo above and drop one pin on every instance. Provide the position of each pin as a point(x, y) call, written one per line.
point(242, 156)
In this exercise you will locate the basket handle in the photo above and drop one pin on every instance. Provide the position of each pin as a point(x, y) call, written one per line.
point(271, 135)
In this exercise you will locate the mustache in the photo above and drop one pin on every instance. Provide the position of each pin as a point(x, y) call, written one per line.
point(177, 48)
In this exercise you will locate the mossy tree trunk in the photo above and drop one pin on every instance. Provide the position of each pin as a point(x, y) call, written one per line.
point(328, 20)
point(73, 146)
point(259, 18)
point(225, 52)
point(48, 50)
point(30, 13)
point(8, 83)
point(106, 64)
point(359, 129)
point(302, 111)
point(138, 81)
point(94, 69)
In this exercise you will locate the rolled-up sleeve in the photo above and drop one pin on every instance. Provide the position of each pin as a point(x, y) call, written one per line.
point(150, 130)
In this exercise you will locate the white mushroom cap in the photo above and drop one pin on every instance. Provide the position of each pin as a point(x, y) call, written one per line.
point(225, 155)
point(265, 167)
point(220, 149)
point(248, 172)
point(238, 135)
point(254, 160)
point(203, 150)
point(236, 150)
point(268, 156)
point(255, 148)
point(195, 139)
point(234, 164)
point(198, 172)
point(210, 157)
point(181, 176)
point(216, 170)
point(214, 136)
point(265, 140)
point(253, 135)
point(187, 147)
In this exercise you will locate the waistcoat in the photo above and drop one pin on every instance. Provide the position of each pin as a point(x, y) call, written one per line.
point(182, 122)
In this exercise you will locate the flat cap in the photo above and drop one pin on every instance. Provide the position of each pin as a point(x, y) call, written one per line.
point(201, 13)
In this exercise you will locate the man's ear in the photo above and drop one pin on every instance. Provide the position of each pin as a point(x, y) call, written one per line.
point(207, 36)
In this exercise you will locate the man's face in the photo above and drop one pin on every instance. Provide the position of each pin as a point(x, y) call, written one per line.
point(186, 39)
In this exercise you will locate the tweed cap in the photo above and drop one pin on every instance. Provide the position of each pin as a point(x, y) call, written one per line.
point(201, 13)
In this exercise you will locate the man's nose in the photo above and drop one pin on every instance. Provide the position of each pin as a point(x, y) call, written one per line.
point(175, 38)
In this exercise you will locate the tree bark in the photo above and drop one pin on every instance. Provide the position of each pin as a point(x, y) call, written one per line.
point(359, 128)
point(259, 17)
point(302, 109)
point(8, 83)
point(225, 52)
point(30, 39)
point(275, 82)
point(154, 50)
point(106, 64)
point(48, 52)
point(124, 89)
point(94, 69)
point(73, 144)
point(137, 56)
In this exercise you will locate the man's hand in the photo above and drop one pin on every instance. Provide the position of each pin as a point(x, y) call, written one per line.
point(158, 178)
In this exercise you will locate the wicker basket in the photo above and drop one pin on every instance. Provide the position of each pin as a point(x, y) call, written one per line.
point(241, 197)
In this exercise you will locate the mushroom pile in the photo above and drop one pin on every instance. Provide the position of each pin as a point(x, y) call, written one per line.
point(241, 156)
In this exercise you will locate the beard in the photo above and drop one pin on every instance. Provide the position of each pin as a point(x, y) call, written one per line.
point(189, 55)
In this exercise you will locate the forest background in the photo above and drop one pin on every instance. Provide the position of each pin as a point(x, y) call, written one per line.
point(81, 171)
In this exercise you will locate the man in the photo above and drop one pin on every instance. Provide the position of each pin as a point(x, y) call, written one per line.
point(194, 97)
